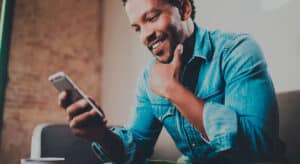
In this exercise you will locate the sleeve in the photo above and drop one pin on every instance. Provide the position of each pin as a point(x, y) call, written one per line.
point(140, 135)
point(248, 119)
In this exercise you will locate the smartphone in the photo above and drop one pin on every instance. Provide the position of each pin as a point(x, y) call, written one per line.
point(63, 82)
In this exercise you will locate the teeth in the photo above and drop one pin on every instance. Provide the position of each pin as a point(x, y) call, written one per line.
point(156, 45)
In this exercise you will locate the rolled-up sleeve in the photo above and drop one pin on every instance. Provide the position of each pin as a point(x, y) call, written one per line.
point(128, 145)
point(100, 152)
point(248, 119)
point(140, 135)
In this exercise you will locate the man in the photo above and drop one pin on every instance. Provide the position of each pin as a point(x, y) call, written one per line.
point(210, 90)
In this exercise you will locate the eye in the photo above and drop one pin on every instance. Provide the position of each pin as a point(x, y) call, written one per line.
point(136, 28)
point(153, 17)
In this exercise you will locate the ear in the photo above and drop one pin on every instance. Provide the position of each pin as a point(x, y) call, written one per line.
point(185, 9)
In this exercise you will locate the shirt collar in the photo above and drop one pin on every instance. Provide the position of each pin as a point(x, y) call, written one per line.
point(202, 47)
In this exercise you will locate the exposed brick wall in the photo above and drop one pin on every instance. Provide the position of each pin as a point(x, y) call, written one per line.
point(47, 36)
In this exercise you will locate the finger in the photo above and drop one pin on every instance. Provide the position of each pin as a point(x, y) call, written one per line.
point(79, 120)
point(98, 107)
point(77, 132)
point(77, 108)
point(62, 98)
point(95, 113)
point(92, 99)
point(80, 132)
point(177, 54)
point(86, 119)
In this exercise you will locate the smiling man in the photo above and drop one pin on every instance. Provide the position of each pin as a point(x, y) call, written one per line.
point(209, 89)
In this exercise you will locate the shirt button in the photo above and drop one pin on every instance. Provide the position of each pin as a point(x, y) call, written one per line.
point(193, 145)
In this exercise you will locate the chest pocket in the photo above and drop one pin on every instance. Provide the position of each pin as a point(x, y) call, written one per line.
point(163, 111)
point(162, 107)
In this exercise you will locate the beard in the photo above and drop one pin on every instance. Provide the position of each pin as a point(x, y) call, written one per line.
point(173, 37)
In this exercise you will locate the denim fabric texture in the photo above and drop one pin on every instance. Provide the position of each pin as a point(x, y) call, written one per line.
point(240, 113)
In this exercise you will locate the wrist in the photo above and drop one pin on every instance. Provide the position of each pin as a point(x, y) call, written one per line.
point(172, 88)
point(111, 146)
point(102, 138)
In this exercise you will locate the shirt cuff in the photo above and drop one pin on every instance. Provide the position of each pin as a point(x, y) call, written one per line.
point(100, 153)
point(129, 146)
point(221, 126)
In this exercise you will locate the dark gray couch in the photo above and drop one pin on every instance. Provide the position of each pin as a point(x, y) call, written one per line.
point(58, 141)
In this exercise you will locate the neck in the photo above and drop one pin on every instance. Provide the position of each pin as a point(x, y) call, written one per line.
point(188, 45)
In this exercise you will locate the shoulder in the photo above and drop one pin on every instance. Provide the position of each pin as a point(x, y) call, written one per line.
point(225, 41)
point(239, 47)
point(228, 44)
point(236, 51)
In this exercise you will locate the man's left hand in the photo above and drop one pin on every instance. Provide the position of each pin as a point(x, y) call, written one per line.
point(164, 76)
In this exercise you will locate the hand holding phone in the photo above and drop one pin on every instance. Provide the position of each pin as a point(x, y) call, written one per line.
point(62, 82)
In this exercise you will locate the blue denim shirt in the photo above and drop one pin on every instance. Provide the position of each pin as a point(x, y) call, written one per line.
point(240, 113)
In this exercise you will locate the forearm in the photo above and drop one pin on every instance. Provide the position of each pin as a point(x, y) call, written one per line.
point(189, 105)
point(113, 146)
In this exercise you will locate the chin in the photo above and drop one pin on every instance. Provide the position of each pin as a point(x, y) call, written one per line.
point(167, 58)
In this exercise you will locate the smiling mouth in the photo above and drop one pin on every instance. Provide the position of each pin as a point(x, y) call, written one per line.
point(156, 46)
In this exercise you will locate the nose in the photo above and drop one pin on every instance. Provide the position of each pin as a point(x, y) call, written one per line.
point(147, 35)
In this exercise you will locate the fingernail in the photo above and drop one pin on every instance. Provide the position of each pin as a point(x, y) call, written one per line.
point(83, 102)
point(180, 48)
point(92, 112)
point(72, 124)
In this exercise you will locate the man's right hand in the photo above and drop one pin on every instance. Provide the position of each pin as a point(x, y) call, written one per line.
point(87, 123)
point(84, 121)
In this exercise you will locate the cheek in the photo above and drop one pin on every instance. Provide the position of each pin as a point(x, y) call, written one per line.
point(169, 26)
point(164, 23)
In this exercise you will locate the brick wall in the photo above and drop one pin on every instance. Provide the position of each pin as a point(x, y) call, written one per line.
point(47, 36)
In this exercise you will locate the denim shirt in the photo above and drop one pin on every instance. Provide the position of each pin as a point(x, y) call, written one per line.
point(240, 114)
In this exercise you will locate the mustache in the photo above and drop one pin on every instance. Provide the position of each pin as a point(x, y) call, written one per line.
point(154, 37)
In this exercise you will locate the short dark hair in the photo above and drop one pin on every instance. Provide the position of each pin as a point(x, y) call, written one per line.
point(177, 4)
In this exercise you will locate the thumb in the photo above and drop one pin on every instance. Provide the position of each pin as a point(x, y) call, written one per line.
point(177, 54)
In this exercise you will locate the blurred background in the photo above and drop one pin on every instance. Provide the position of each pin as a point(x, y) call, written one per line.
point(93, 43)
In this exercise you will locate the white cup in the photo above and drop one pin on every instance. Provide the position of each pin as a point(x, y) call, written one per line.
point(43, 161)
